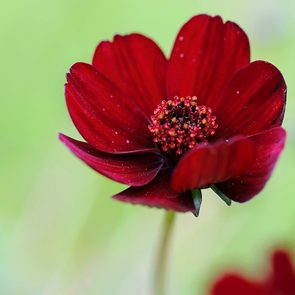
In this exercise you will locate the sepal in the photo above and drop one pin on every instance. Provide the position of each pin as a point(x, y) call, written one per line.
point(197, 199)
point(221, 195)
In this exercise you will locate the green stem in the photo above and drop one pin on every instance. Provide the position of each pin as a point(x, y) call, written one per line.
point(161, 266)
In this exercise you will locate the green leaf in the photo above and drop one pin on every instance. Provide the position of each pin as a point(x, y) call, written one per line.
point(197, 198)
point(221, 195)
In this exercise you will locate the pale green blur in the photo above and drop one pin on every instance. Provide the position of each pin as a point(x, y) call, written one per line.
point(60, 232)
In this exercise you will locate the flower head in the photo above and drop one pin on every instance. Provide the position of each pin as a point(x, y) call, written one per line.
point(204, 117)
point(281, 280)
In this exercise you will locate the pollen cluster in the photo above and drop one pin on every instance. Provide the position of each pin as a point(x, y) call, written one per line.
point(180, 124)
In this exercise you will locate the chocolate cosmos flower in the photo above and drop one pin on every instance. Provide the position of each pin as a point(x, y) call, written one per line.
point(280, 282)
point(205, 117)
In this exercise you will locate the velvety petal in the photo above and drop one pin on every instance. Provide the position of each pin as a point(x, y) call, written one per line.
point(284, 273)
point(130, 169)
point(253, 101)
point(269, 145)
point(103, 115)
point(137, 66)
point(212, 163)
point(158, 194)
point(233, 284)
point(206, 55)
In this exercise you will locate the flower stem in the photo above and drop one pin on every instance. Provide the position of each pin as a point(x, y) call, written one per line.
point(160, 272)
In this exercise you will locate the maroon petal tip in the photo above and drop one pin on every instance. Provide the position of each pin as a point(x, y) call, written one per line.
point(268, 145)
point(131, 169)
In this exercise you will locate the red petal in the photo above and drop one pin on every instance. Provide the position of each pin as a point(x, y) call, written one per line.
point(130, 169)
point(213, 163)
point(158, 194)
point(137, 66)
point(206, 54)
point(254, 101)
point(103, 116)
point(284, 273)
point(233, 284)
point(269, 145)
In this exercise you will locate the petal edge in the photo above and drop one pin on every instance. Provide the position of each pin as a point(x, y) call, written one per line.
point(212, 163)
point(158, 194)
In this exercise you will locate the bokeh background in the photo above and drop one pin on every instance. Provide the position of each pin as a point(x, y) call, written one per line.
point(60, 232)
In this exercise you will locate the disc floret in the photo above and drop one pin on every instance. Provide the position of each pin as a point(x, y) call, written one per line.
point(180, 124)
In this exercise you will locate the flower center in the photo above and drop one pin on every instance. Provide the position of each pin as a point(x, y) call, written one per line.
point(180, 124)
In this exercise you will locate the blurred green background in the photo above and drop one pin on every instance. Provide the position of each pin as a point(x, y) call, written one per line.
point(60, 232)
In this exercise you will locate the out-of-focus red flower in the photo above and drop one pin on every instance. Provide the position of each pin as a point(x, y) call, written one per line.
point(205, 116)
point(281, 281)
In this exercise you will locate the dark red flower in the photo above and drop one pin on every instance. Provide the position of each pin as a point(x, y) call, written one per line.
point(281, 280)
point(166, 127)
